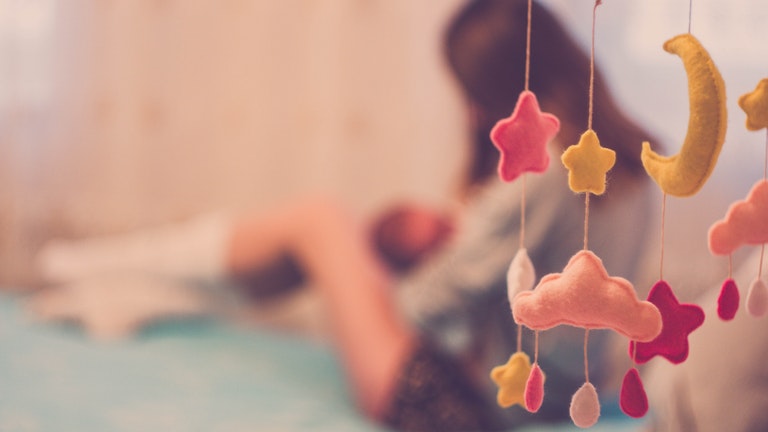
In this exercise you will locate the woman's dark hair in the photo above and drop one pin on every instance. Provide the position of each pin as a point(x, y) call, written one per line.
point(486, 49)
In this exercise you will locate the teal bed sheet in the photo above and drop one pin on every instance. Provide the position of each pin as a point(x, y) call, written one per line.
point(191, 375)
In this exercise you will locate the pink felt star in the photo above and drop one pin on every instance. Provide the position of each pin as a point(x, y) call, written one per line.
point(678, 321)
point(522, 138)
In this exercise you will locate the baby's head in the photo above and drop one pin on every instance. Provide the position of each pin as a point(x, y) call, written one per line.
point(408, 233)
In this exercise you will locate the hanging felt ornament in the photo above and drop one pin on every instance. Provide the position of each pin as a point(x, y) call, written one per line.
point(681, 175)
point(534, 389)
point(755, 105)
point(632, 398)
point(522, 138)
point(679, 321)
point(685, 173)
point(757, 298)
point(585, 295)
point(521, 276)
point(585, 406)
point(522, 141)
point(728, 300)
point(512, 378)
point(746, 222)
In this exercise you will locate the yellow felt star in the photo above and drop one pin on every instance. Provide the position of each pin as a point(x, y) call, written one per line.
point(511, 379)
point(755, 104)
point(587, 164)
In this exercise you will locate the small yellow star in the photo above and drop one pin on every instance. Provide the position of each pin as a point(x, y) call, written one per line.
point(587, 164)
point(511, 379)
point(755, 104)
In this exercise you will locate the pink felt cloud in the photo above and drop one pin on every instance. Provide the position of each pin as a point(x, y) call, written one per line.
point(584, 295)
point(745, 223)
point(678, 321)
point(522, 138)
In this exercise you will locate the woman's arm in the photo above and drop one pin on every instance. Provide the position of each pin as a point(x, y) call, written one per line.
point(338, 258)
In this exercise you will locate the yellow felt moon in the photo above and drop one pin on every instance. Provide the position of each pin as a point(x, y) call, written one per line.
point(686, 172)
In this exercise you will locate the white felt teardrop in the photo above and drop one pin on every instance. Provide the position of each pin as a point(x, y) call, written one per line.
point(757, 298)
point(585, 406)
point(521, 275)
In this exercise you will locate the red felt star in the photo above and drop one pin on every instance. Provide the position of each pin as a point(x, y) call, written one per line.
point(678, 321)
point(522, 138)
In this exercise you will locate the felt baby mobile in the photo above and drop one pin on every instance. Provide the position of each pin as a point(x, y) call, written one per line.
point(746, 221)
point(522, 140)
point(584, 294)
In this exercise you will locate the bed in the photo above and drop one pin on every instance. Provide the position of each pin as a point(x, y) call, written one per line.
point(179, 375)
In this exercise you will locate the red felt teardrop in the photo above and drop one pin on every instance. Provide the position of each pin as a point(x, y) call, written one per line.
point(728, 301)
point(632, 399)
point(534, 389)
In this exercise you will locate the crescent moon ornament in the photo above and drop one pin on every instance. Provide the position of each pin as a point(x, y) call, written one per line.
point(686, 172)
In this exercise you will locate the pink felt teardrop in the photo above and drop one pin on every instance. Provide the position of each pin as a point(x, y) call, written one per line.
point(585, 406)
point(534, 389)
point(757, 298)
point(632, 399)
point(728, 301)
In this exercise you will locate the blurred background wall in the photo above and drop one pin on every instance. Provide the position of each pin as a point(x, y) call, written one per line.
point(121, 113)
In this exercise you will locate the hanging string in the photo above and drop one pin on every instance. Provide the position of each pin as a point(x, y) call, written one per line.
point(522, 214)
point(586, 221)
point(591, 112)
point(765, 176)
point(527, 86)
point(765, 164)
point(730, 266)
point(690, 14)
point(528, 46)
point(536, 347)
point(634, 351)
point(523, 178)
point(592, 66)
point(586, 359)
point(663, 219)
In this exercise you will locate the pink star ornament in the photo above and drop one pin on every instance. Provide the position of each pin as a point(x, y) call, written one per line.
point(679, 320)
point(522, 138)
